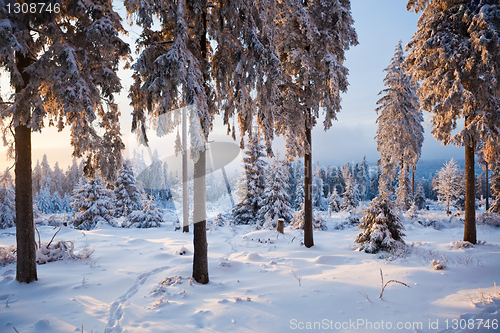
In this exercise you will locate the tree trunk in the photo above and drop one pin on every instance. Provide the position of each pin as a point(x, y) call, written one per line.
point(25, 228)
point(185, 190)
point(413, 181)
point(487, 188)
point(200, 258)
point(308, 209)
point(470, 204)
point(280, 226)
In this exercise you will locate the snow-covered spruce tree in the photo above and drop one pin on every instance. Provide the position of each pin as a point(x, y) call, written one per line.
point(43, 200)
point(495, 189)
point(449, 184)
point(59, 71)
point(381, 227)
point(399, 133)
point(250, 188)
point(299, 194)
point(334, 202)
point(312, 39)
point(150, 217)
point(351, 193)
point(127, 194)
point(419, 199)
point(454, 55)
point(275, 202)
point(94, 204)
point(318, 190)
point(7, 202)
point(404, 197)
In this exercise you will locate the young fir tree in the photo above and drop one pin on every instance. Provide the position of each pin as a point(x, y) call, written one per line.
point(150, 217)
point(312, 37)
point(399, 133)
point(44, 200)
point(275, 203)
point(381, 227)
point(449, 184)
point(299, 194)
point(94, 204)
point(351, 193)
point(251, 185)
point(318, 189)
point(454, 55)
point(127, 194)
point(59, 73)
point(419, 199)
point(7, 202)
point(334, 202)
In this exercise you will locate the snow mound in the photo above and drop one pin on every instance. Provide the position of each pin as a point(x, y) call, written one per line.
point(252, 256)
point(328, 260)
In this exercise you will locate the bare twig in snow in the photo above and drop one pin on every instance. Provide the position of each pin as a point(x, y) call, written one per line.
point(7, 303)
point(385, 285)
point(361, 291)
point(60, 226)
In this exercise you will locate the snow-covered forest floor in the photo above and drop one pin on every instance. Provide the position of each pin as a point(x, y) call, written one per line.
point(138, 280)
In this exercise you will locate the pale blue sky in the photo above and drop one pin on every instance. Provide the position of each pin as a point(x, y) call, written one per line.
point(380, 24)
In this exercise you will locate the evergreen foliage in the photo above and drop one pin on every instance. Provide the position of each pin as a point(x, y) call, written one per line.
point(94, 204)
point(495, 189)
point(381, 227)
point(399, 132)
point(334, 202)
point(251, 185)
point(7, 202)
point(419, 199)
point(127, 194)
point(150, 217)
point(351, 193)
point(275, 203)
point(449, 184)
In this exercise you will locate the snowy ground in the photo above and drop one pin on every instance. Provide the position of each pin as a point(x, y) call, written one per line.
point(259, 282)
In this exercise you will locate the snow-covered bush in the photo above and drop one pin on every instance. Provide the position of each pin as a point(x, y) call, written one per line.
point(298, 220)
point(8, 255)
point(382, 228)
point(150, 217)
point(60, 250)
point(492, 219)
point(94, 203)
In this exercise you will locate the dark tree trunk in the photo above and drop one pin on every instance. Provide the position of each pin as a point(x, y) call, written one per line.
point(487, 188)
point(25, 228)
point(185, 191)
point(470, 204)
point(200, 258)
point(413, 181)
point(308, 209)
